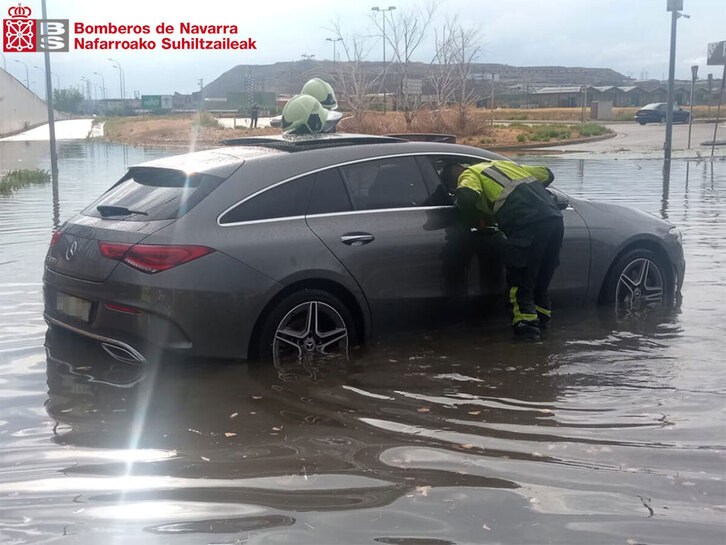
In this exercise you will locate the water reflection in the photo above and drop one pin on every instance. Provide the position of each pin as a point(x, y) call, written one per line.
point(605, 432)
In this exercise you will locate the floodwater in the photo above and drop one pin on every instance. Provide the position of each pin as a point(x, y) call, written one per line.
point(604, 432)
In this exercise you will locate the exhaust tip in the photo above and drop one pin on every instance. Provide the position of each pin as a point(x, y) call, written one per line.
point(121, 353)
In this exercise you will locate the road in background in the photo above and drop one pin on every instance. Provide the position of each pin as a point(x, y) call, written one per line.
point(646, 141)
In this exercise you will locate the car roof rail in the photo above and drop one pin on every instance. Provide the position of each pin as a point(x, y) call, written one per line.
point(426, 137)
point(311, 141)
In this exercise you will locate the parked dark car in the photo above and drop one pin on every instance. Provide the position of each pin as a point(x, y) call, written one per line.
point(274, 247)
point(656, 113)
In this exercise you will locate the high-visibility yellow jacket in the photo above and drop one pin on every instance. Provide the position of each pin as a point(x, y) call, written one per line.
point(514, 194)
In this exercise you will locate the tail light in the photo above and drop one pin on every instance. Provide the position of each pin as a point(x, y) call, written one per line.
point(152, 258)
point(55, 237)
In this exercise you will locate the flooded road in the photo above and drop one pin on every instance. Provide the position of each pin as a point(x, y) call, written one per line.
point(604, 432)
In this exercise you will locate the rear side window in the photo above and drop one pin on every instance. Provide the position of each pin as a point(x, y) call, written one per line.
point(395, 182)
point(286, 200)
point(155, 194)
point(329, 195)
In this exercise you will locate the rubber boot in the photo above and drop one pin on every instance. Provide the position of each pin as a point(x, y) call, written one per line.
point(545, 321)
point(526, 330)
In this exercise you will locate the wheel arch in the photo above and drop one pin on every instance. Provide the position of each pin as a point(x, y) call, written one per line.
point(639, 244)
point(354, 306)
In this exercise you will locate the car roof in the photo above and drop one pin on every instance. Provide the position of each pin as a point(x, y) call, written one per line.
point(309, 152)
point(219, 162)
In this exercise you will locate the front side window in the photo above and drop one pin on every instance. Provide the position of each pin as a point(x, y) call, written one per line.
point(395, 182)
point(284, 201)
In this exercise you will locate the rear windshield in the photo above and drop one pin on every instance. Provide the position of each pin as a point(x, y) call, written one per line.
point(159, 193)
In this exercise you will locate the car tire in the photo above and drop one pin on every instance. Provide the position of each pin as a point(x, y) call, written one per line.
point(640, 280)
point(641, 122)
point(306, 324)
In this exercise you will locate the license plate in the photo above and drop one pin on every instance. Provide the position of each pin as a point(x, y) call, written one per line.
point(73, 306)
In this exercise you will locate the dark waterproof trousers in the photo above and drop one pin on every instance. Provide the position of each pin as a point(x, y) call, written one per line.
point(532, 254)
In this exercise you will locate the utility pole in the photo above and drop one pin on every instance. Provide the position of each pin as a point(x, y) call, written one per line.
point(674, 6)
point(694, 74)
point(492, 100)
point(718, 108)
point(51, 127)
point(200, 81)
point(383, 13)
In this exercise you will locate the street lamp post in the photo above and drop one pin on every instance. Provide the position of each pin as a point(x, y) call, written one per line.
point(103, 83)
point(27, 78)
point(674, 6)
point(694, 73)
point(43, 71)
point(89, 88)
point(383, 13)
point(334, 40)
point(121, 83)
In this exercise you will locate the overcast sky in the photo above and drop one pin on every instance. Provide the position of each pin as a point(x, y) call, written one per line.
point(629, 36)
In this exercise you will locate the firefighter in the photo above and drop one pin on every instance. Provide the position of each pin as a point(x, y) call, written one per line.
point(514, 197)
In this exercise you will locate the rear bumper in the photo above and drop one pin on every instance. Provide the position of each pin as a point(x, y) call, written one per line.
point(207, 308)
point(116, 348)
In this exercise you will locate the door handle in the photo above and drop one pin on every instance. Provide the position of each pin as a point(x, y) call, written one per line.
point(357, 239)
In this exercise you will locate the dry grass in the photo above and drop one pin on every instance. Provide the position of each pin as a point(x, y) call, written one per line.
point(175, 131)
point(426, 121)
point(575, 114)
point(188, 131)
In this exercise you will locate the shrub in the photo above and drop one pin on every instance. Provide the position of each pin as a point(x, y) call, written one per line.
point(521, 137)
point(205, 119)
point(591, 129)
point(15, 179)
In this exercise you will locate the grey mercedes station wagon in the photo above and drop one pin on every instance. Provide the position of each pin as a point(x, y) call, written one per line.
point(280, 248)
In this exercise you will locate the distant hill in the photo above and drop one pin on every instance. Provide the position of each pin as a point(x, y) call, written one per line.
point(289, 77)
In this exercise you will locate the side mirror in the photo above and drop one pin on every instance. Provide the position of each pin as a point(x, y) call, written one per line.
point(562, 200)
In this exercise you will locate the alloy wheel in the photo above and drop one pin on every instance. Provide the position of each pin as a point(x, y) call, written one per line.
point(640, 287)
point(311, 329)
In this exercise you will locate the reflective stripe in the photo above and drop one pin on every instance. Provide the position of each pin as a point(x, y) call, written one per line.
point(515, 306)
point(542, 310)
point(508, 186)
point(517, 313)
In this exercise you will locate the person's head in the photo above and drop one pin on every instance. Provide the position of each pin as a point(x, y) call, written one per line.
point(322, 91)
point(303, 114)
point(450, 174)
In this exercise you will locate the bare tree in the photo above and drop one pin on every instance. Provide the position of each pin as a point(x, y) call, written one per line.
point(464, 48)
point(406, 32)
point(356, 85)
point(443, 71)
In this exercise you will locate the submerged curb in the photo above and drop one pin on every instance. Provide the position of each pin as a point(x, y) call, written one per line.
point(553, 144)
